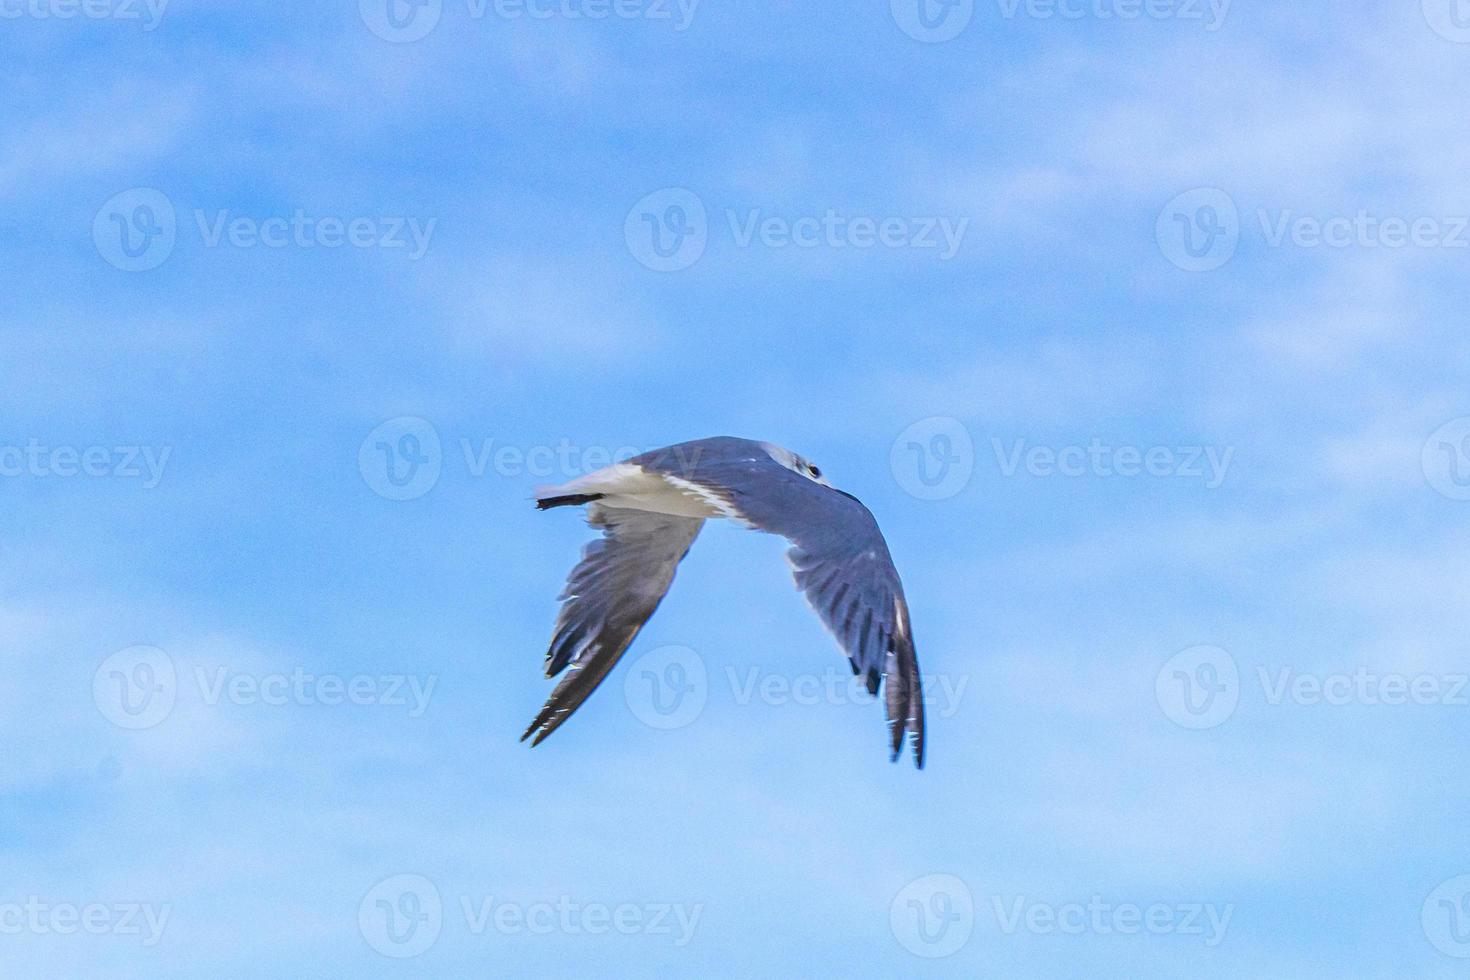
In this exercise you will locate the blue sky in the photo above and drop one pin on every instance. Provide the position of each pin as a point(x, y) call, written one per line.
point(1139, 328)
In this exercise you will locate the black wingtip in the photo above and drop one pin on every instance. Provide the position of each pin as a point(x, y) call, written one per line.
point(916, 744)
point(541, 726)
point(566, 500)
point(540, 729)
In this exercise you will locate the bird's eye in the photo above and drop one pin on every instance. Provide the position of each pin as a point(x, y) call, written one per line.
point(813, 470)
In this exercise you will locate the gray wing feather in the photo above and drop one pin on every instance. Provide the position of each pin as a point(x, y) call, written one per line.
point(851, 583)
point(616, 586)
point(838, 556)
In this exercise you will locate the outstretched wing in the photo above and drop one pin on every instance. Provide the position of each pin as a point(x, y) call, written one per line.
point(838, 556)
point(609, 596)
point(857, 594)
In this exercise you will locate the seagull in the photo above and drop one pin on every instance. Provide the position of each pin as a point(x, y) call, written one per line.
point(650, 508)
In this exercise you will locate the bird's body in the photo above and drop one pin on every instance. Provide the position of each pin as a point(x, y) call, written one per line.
point(651, 508)
point(628, 486)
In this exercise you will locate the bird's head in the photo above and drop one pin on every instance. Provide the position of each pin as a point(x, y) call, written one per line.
point(795, 463)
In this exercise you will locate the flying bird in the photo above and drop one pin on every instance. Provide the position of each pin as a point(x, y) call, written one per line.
point(651, 507)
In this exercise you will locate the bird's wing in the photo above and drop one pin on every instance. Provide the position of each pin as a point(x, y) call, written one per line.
point(838, 556)
point(609, 596)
